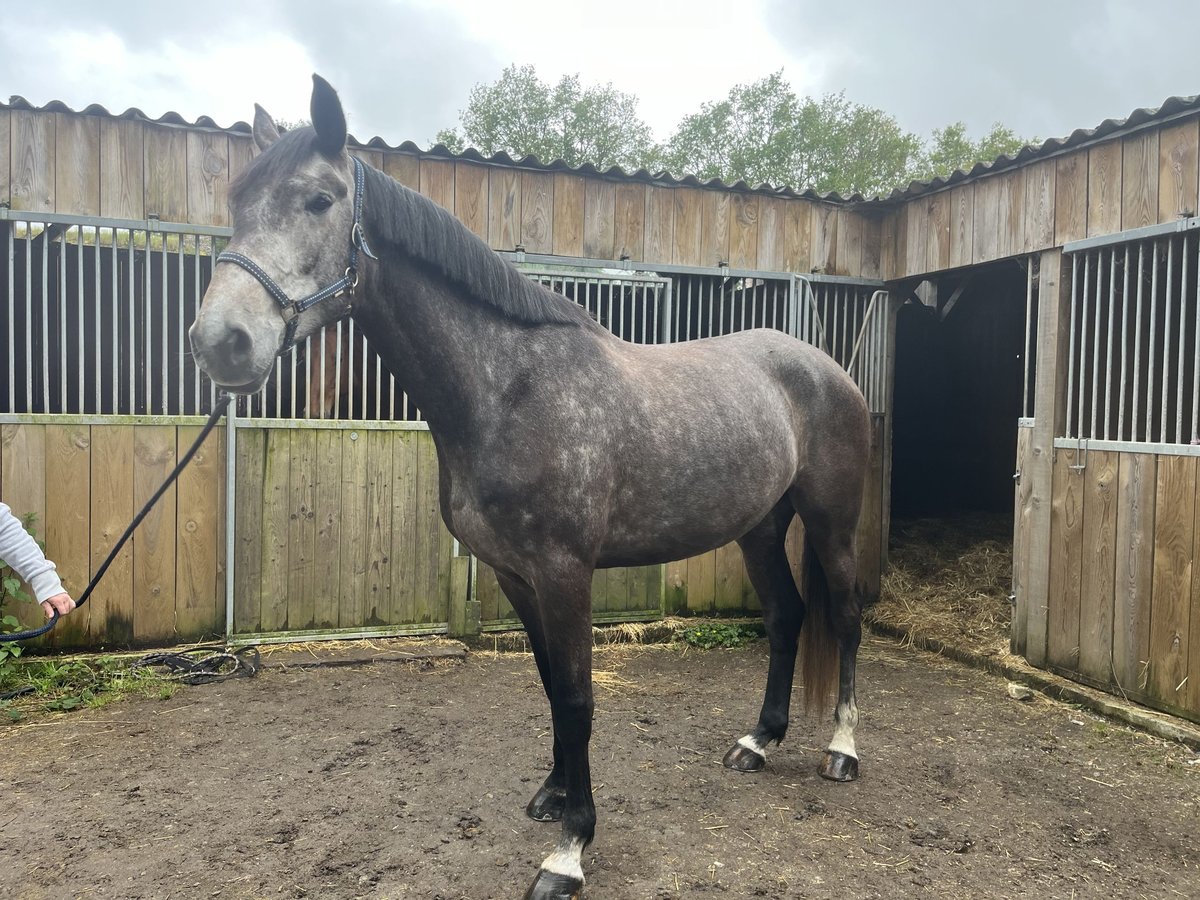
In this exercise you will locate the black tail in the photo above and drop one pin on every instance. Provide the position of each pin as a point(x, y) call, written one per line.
point(818, 644)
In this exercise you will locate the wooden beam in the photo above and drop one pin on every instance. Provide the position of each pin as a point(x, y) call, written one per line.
point(1053, 311)
point(948, 306)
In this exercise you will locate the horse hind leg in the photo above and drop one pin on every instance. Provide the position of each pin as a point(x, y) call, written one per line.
point(835, 578)
point(783, 616)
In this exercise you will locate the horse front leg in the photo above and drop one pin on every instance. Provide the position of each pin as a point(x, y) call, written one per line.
point(548, 803)
point(565, 605)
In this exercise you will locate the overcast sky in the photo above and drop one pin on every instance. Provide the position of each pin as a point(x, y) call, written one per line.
point(404, 68)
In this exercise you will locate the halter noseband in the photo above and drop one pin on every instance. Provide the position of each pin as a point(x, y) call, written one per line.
point(291, 309)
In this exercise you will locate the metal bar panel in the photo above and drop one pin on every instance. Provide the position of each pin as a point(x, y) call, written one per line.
point(147, 333)
point(1129, 446)
point(163, 384)
point(1182, 361)
point(362, 380)
point(311, 391)
point(689, 303)
point(1071, 348)
point(1196, 357)
point(1135, 411)
point(63, 331)
point(195, 313)
point(1084, 322)
point(1108, 347)
point(1152, 357)
point(612, 289)
point(230, 513)
point(378, 391)
point(1097, 393)
point(181, 308)
point(12, 306)
point(1166, 352)
point(45, 245)
point(98, 368)
point(293, 356)
point(337, 368)
point(862, 332)
point(109, 222)
point(80, 334)
point(1026, 400)
point(114, 311)
point(1133, 234)
point(1124, 346)
point(29, 317)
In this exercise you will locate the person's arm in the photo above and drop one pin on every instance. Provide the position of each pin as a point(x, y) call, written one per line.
point(20, 551)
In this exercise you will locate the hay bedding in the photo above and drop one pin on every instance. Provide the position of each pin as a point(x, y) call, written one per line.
point(949, 580)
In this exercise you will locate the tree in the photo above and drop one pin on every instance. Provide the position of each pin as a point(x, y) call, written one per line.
point(763, 133)
point(760, 133)
point(519, 114)
point(952, 149)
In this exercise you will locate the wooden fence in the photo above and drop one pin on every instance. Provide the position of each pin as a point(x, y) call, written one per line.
point(337, 530)
point(1123, 610)
point(83, 482)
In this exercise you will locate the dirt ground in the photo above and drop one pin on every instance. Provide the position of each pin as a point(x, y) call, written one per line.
point(407, 780)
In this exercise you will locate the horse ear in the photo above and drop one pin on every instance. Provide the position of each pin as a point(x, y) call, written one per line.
point(264, 130)
point(327, 117)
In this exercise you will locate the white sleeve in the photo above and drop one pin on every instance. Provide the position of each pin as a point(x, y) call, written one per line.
point(19, 550)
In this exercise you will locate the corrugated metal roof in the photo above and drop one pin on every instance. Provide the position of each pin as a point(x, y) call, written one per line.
point(1173, 107)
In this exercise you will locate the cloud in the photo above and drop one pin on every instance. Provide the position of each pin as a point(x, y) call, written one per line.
point(404, 69)
point(1041, 67)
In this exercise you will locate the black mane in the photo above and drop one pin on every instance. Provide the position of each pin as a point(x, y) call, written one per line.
point(421, 229)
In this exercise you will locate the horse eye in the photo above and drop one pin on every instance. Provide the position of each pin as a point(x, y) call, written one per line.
point(319, 203)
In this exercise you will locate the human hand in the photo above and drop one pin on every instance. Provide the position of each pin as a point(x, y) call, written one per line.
point(61, 602)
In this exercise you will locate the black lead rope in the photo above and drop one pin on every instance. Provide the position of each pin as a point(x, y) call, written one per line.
point(218, 411)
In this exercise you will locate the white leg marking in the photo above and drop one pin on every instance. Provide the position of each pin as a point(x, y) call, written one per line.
point(845, 719)
point(751, 744)
point(566, 860)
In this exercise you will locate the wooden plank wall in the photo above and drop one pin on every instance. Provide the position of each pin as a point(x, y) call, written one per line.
point(123, 168)
point(1124, 600)
point(84, 483)
point(94, 165)
point(1022, 533)
point(339, 528)
point(1149, 177)
point(617, 595)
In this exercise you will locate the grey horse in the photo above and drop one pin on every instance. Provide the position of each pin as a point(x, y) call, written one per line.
point(560, 447)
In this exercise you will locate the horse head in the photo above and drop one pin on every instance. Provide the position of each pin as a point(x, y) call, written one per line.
point(292, 257)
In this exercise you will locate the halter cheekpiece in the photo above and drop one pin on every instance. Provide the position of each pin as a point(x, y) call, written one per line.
point(291, 309)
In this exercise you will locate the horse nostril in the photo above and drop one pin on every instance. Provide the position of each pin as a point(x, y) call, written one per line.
point(237, 346)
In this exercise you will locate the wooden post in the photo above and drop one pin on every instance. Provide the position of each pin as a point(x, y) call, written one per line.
point(1054, 306)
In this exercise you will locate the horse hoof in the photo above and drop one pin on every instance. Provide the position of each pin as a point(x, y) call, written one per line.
point(551, 886)
point(839, 766)
point(742, 759)
point(547, 805)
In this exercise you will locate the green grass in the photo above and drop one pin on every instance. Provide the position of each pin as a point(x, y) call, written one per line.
point(51, 685)
point(712, 635)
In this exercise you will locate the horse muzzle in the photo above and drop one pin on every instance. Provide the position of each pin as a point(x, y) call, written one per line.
point(231, 356)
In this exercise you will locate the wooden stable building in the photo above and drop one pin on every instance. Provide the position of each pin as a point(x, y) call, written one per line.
point(1037, 315)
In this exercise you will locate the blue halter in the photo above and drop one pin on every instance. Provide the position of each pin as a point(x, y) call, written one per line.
point(291, 309)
